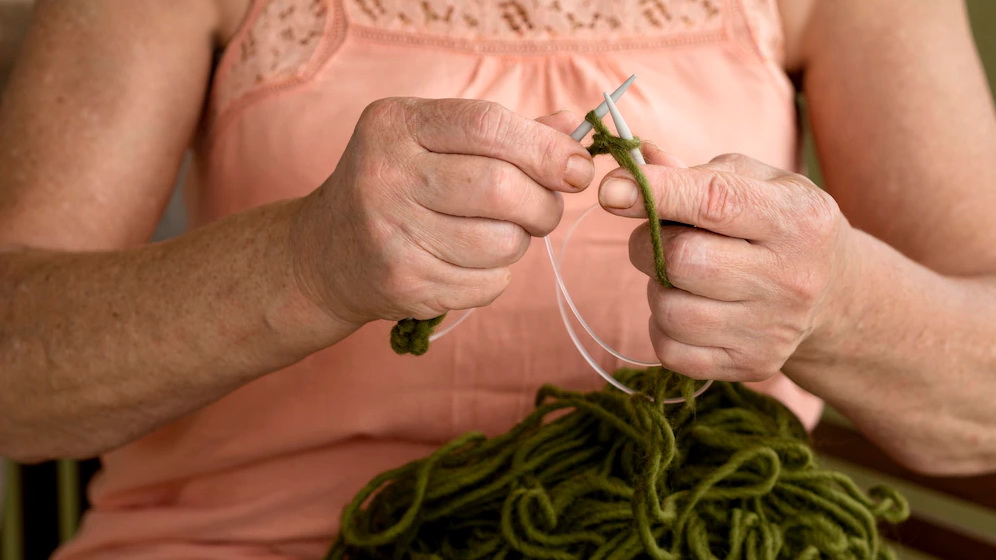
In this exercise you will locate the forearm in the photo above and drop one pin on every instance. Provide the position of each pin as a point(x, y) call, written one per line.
point(908, 355)
point(100, 348)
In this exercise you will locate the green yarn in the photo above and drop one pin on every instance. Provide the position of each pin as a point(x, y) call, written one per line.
point(607, 476)
point(603, 142)
point(411, 336)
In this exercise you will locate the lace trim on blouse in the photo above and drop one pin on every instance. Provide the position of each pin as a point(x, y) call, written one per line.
point(284, 42)
point(280, 43)
point(542, 20)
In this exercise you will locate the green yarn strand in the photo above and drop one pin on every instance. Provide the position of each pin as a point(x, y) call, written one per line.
point(604, 142)
point(607, 476)
point(411, 336)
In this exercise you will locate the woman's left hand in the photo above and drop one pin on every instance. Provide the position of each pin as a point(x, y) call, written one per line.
point(756, 277)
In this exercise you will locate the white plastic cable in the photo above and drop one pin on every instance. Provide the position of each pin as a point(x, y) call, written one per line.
point(564, 296)
point(441, 333)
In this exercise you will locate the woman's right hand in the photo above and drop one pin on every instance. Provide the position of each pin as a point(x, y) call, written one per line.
point(430, 204)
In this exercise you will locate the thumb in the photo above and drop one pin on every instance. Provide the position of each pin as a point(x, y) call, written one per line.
point(618, 196)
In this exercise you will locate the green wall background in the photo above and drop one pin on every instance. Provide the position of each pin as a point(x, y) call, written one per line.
point(983, 13)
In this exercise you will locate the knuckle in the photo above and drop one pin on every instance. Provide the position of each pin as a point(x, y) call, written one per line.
point(692, 317)
point(746, 366)
point(428, 310)
point(695, 365)
point(494, 287)
point(677, 314)
point(422, 173)
point(751, 375)
point(508, 241)
point(804, 285)
point(729, 158)
point(504, 278)
point(391, 119)
point(667, 313)
point(552, 218)
point(639, 243)
point(655, 292)
point(785, 337)
point(491, 120)
point(819, 217)
point(721, 204)
point(675, 357)
point(799, 283)
point(489, 296)
point(379, 112)
point(670, 315)
point(497, 186)
point(757, 371)
point(551, 155)
point(682, 257)
point(705, 318)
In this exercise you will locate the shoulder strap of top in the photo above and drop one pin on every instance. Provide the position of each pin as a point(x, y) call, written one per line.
point(763, 24)
point(280, 43)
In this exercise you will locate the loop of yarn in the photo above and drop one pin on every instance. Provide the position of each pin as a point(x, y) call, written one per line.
point(606, 476)
point(411, 336)
point(609, 476)
point(604, 142)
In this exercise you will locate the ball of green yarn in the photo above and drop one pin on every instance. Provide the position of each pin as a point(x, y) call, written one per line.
point(607, 476)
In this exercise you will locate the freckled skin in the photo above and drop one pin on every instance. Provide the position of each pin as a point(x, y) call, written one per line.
point(877, 294)
point(104, 338)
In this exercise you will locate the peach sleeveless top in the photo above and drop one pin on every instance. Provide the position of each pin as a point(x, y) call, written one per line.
point(264, 472)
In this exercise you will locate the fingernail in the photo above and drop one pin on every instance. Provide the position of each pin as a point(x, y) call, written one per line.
point(618, 193)
point(580, 171)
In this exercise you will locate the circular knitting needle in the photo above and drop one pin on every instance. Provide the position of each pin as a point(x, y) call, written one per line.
point(585, 127)
point(563, 295)
point(622, 128)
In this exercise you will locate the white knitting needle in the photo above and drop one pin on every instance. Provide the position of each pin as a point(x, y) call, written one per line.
point(585, 127)
point(622, 128)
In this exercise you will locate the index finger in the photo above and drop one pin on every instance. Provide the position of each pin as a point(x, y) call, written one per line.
point(720, 201)
point(481, 128)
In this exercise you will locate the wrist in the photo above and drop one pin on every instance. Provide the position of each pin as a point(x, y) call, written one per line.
point(844, 302)
point(298, 309)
